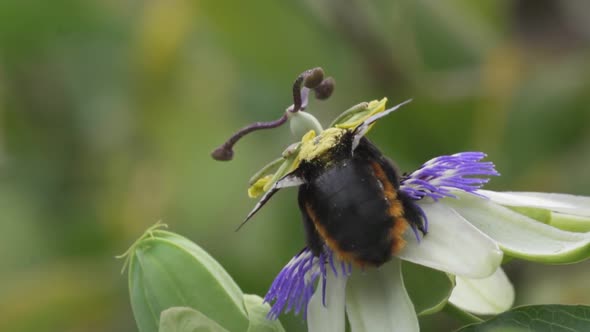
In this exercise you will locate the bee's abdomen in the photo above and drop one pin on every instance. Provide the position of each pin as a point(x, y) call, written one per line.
point(355, 209)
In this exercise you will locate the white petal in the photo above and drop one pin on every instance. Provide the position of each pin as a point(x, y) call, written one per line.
point(519, 235)
point(329, 318)
point(452, 245)
point(377, 301)
point(487, 296)
point(563, 203)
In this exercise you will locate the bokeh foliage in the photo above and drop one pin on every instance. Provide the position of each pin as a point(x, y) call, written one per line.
point(109, 109)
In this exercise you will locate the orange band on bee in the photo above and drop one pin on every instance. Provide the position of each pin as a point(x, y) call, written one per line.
point(400, 225)
point(396, 210)
point(332, 244)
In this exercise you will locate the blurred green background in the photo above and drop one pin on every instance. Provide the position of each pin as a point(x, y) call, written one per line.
point(109, 110)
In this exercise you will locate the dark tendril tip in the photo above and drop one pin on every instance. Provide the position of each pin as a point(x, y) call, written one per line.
point(225, 151)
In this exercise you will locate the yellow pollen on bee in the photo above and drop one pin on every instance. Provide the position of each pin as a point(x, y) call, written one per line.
point(313, 146)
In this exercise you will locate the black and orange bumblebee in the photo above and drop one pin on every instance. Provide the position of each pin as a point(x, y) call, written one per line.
point(349, 193)
point(352, 203)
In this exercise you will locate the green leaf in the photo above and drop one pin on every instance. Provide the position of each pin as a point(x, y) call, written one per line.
point(429, 289)
point(519, 235)
point(183, 319)
point(538, 318)
point(257, 311)
point(167, 270)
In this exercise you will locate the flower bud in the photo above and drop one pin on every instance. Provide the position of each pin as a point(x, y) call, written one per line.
point(167, 270)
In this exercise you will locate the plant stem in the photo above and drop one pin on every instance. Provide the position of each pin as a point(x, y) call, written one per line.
point(461, 315)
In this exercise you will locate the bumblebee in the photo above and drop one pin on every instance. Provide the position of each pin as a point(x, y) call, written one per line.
point(349, 193)
point(351, 202)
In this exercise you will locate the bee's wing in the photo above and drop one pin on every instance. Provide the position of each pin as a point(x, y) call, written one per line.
point(364, 127)
point(290, 180)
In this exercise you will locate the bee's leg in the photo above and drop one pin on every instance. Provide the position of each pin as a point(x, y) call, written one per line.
point(414, 214)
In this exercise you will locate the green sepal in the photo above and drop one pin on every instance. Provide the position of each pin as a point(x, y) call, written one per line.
point(357, 114)
point(183, 319)
point(265, 178)
point(257, 311)
point(538, 214)
point(351, 114)
point(429, 289)
point(519, 235)
point(563, 211)
point(266, 170)
point(564, 221)
point(570, 222)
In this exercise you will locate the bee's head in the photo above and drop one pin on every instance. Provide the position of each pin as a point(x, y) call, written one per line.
point(329, 144)
point(320, 151)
